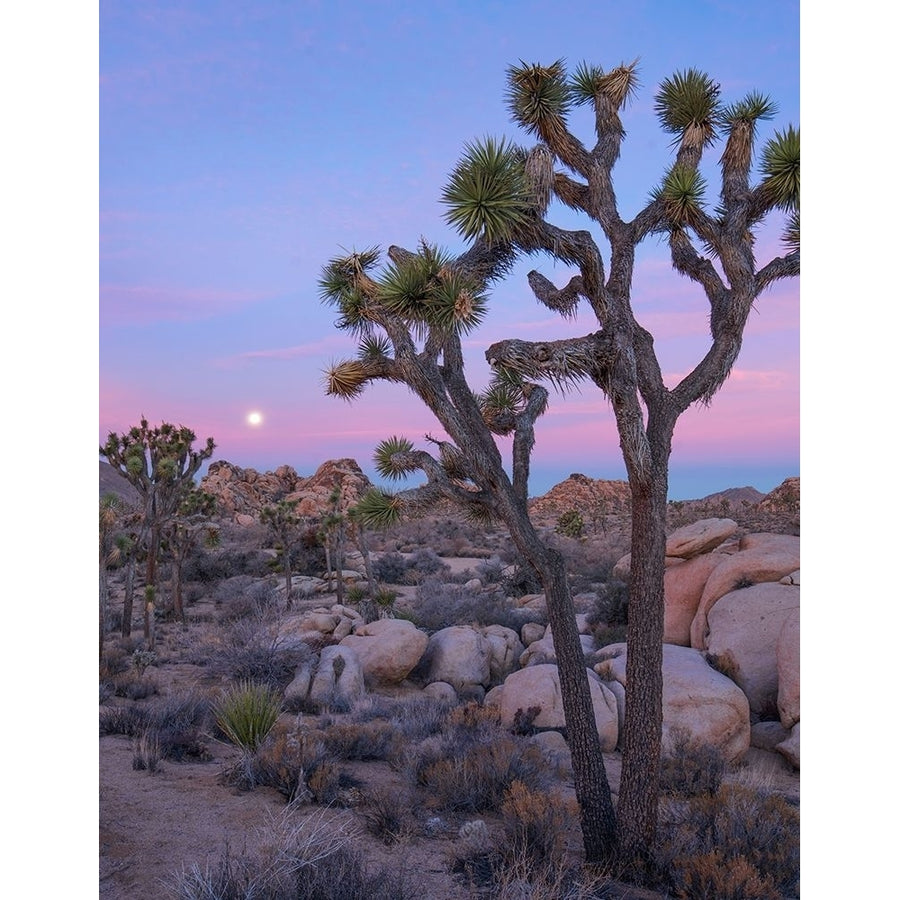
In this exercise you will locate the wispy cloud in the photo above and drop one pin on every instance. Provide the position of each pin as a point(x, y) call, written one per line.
point(334, 344)
point(122, 304)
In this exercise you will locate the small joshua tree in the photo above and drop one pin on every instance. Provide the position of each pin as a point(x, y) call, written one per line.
point(283, 524)
point(161, 464)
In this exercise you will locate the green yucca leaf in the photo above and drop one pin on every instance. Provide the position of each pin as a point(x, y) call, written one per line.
point(403, 288)
point(781, 169)
point(585, 83)
point(454, 302)
point(379, 509)
point(687, 105)
point(755, 107)
point(536, 95)
point(681, 194)
point(387, 465)
point(791, 235)
point(374, 346)
point(487, 195)
point(340, 275)
point(346, 379)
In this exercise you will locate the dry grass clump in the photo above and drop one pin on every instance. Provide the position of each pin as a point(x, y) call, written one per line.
point(250, 650)
point(366, 741)
point(314, 859)
point(386, 816)
point(735, 844)
point(178, 725)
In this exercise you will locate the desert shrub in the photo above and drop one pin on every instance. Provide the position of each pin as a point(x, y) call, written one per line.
point(284, 762)
point(522, 578)
point(490, 570)
point(127, 720)
point(690, 768)
point(736, 843)
point(536, 824)
point(386, 816)
point(246, 714)
point(251, 652)
point(362, 741)
point(208, 566)
point(134, 687)
point(570, 524)
point(245, 597)
point(142, 659)
point(610, 606)
point(439, 605)
point(181, 723)
point(116, 660)
point(465, 774)
point(390, 568)
point(147, 750)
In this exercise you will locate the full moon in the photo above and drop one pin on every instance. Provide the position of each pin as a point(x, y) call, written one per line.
point(254, 418)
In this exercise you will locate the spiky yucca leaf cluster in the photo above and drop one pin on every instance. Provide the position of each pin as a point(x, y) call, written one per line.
point(538, 97)
point(379, 509)
point(424, 290)
point(503, 399)
point(346, 379)
point(681, 195)
point(781, 169)
point(247, 713)
point(386, 463)
point(687, 105)
point(487, 195)
point(588, 83)
point(741, 119)
point(343, 283)
point(791, 235)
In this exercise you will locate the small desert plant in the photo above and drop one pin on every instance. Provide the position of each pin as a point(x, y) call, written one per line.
point(142, 659)
point(390, 567)
point(610, 607)
point(247, 713)
point(362, 741)
point(386, 816)
point(127, 720)
point(724, 663)
point(690, 768)
point(314, 860)
point(147, 751)
point(570, 524)
point(440, 605)
point(354, 594)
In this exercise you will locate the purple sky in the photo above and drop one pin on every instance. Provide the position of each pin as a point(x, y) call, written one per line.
point(243, 145)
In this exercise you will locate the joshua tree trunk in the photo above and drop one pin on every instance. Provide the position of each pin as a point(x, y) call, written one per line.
point(598, 821)
point(104, 604)
point(642, 734)
point(177, 600)
point(128, 605)
point(288, 577)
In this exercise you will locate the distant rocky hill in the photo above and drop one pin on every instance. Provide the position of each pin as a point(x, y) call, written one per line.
point(589, 496)
point(242, 493)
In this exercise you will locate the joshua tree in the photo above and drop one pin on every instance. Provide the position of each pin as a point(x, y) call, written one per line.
point(283, 523)
point(410, 322)
point(161, 464)
point(184, 533)
point(501, 194)
point(498, 197)
point(333, 533)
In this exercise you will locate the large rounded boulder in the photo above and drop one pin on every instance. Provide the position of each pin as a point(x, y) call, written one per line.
point(537, 687)
point(696, 699)
point(388, 649)
point(744, 627)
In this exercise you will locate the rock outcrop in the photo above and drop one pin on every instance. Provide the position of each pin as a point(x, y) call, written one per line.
point(242, 493)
